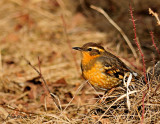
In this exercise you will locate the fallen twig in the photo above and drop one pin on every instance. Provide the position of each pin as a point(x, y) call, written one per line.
point(54, 97)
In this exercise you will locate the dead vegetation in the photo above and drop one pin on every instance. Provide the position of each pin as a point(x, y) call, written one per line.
point(47, 30)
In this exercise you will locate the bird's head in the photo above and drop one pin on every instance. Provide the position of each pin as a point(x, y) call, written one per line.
point(90, 50)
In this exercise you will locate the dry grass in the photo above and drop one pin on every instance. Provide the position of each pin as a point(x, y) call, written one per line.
point(33, 29)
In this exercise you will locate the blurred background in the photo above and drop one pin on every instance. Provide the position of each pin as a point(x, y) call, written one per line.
point(48, 29)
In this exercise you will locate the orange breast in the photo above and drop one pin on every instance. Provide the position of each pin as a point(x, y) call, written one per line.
point(97, 77)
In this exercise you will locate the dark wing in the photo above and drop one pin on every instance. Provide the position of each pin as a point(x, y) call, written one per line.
point(114, 67)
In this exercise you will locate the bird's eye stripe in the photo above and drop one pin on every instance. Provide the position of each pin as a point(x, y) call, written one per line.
point(96, 48)
point(89, 49)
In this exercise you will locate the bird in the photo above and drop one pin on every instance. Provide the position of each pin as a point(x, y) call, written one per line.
point(102, 69)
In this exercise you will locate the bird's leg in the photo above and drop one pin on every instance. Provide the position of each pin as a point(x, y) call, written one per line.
point(106, 94)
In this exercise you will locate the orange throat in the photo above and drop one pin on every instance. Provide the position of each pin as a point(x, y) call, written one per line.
point(86, 58)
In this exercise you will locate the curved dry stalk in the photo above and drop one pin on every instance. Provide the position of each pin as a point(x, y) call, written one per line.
point(117, 27)
point(155, 15)
point(79, 88)
point(126, 84)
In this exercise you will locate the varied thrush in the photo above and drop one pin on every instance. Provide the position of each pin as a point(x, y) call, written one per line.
point(101, 68)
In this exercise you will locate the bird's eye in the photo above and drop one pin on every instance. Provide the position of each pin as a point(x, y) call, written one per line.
point(89, 49)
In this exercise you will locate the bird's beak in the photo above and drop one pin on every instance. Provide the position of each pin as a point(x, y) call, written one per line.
point(77, 48)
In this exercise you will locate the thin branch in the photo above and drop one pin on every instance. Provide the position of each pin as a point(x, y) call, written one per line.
point(143, 106)
point(15, 109)
point(136, 41)
point(53, 96)
point(117, 27)
point(39, 65)
point(152, 36)
point(155, 15)
point(142, 55)
point(69, 44)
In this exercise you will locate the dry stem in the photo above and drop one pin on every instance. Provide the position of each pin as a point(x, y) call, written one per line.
point(155, 15)
point(152, 36)
point(121, 97)
point(54, 97)
point(142, 55)
point(117, 27)
point(69, 44)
